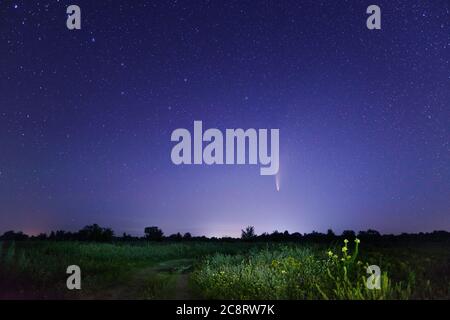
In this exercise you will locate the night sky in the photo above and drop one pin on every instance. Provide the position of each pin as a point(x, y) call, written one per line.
point(86, 115)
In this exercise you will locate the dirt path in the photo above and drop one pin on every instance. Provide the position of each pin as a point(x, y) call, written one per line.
point(165, 280)
point(182, 290)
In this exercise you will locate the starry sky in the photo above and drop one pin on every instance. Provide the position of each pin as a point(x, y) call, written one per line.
point(86, 115)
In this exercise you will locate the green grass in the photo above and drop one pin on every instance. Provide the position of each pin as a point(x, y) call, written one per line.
point(276, 273)
point(222, 270)
point(40, 266)
point(311, 272)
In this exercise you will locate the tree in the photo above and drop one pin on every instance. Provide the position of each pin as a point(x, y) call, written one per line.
point(126, 236)
point(370, 233)
point(41, 236)
point(176, 237)
point(14, 236)
point(93, 233)
point(248, 233)
point(153, 233)
point(348, 234)
point(187, 236)
point(296, 236)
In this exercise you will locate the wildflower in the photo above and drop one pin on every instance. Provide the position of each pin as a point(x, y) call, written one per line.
point(330, 253)
point(345, 241)
point(357, 241)
point(344, 249)
point(335, 256)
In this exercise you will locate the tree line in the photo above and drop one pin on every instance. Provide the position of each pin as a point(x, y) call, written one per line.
point(95, 233)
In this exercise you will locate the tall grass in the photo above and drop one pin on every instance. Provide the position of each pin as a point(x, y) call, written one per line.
point(42, 264)
point(236, 270)
point(283, 273)
point(292, 273)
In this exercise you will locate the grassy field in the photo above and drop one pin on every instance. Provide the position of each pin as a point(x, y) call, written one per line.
point(225, 270)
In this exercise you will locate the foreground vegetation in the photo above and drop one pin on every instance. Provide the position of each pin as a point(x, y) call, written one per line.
point(292, 272)
point(226, 270)
point(38, 268)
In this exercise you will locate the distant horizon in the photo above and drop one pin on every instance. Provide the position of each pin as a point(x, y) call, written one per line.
point(236, 235)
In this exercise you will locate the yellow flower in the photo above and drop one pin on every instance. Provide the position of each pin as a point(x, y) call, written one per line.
point(330, 253)
point(357, 241)
point(344, 249)
point(345, 241)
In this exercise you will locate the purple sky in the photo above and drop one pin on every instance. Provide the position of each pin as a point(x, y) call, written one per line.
point(86, 116)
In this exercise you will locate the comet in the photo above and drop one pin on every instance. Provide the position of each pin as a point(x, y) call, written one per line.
point(278, 181)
